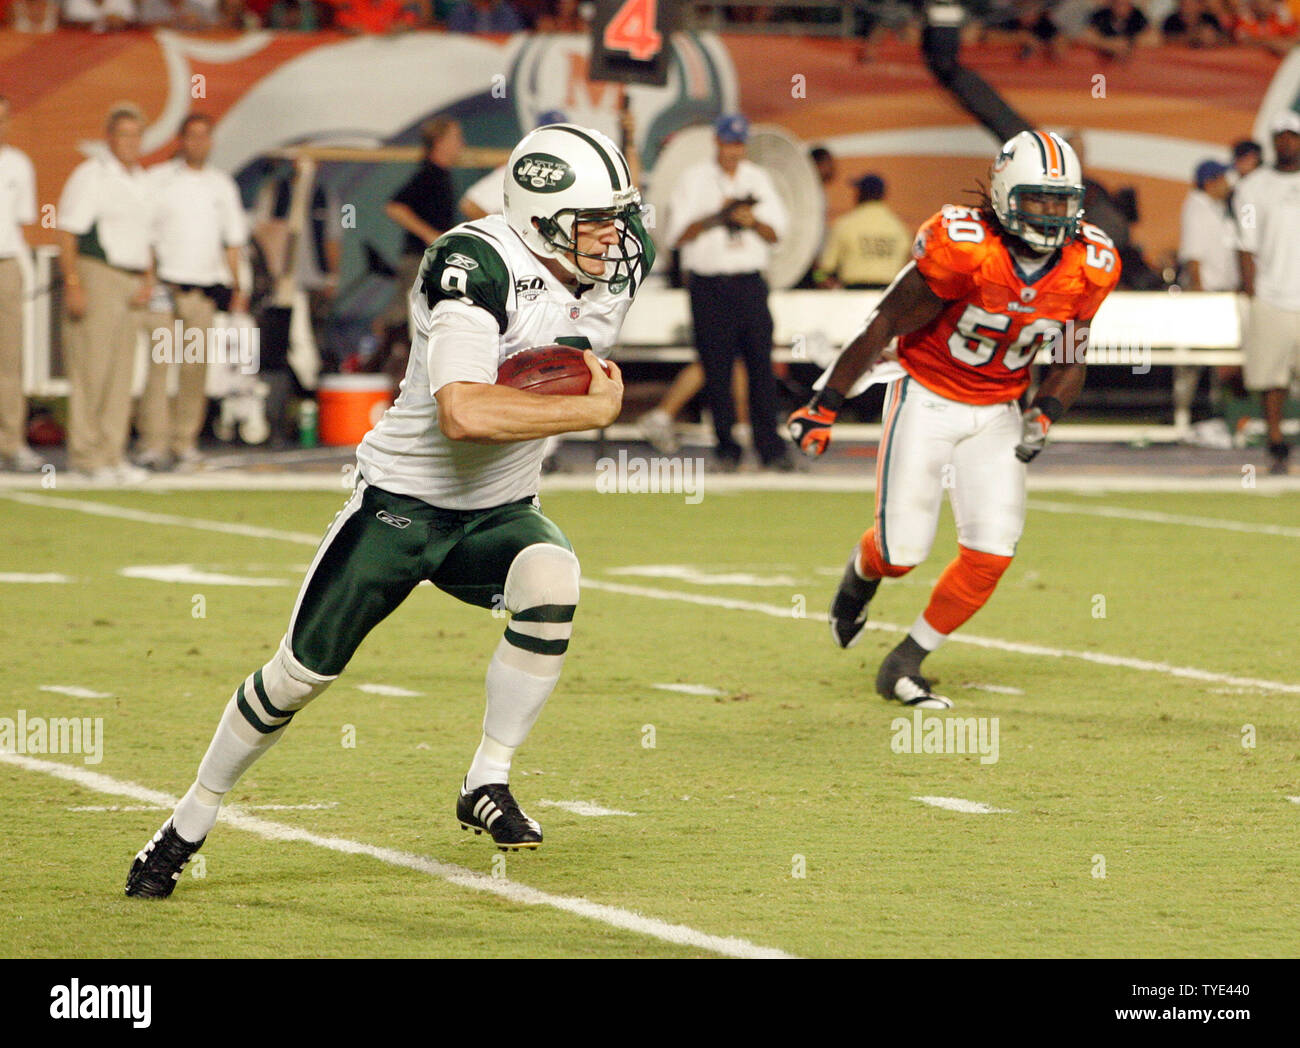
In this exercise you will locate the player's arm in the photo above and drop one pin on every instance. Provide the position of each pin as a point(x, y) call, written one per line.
point(1056, 394)
point(482, 413)
point(908, 305)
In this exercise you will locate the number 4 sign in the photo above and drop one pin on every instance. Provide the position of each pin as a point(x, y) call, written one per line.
point(630, 40)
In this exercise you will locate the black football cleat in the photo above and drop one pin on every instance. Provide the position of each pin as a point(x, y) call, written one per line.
point(158, 867)
point(849, 608)
point(491, 807)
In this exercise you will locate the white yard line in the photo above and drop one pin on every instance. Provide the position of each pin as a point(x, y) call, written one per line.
point(389, 689)
point(781, 611)
point(957, 804)
point(583, 808)
point(76, 691)
point(689, 689)
point(38, 577)
point(512, 891)
point(1154, 517)
point(103, 509)
point(243, 807)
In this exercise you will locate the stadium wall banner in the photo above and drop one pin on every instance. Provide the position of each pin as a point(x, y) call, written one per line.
point(1146, 123)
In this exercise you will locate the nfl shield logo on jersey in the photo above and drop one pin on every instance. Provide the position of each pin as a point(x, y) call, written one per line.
point(574, 312)
point(1027, 294)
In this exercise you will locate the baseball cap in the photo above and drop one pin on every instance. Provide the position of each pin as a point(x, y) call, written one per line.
point(552, 116)
point(731, 127)
point(1287, 120)
point(1208, 171)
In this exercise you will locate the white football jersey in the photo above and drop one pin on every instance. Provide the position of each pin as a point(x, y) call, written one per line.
point(480, 273)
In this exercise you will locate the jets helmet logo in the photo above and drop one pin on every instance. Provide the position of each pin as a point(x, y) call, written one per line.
point(544, 173)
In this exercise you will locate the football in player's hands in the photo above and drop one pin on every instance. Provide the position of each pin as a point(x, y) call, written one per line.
point(552, 370)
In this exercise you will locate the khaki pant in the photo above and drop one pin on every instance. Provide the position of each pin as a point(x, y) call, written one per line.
point(101, 363)
point(173, 424)
point(13, 405)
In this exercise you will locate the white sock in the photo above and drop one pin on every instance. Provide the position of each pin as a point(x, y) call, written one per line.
point(926, 635)
point(515, 697)
point(197, 813)
point(491, 764)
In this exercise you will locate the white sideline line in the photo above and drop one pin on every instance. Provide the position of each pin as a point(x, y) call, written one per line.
point(628, 920)
point(782, 611)
point(779, 611)
point(957, 804)
point(1154, 517)
point(583, 808)
point(27, 576)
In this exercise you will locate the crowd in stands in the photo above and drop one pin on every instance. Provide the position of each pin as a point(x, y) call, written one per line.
point(1112, 28)
point(360, 16)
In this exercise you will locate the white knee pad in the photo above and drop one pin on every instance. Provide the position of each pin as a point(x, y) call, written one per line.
point(542, 574)
point(288, 684)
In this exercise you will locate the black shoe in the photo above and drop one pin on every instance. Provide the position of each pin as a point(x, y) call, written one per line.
point(900, 677)
point(1280, 454)
point(158, 867)
point(849, 609)
point(492, 808)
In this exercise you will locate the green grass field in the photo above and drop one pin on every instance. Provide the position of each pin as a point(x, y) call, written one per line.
point(1174, 787)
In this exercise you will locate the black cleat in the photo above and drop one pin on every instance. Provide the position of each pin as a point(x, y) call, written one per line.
point(849, 608)
point(900, 678)
point(491, 807)
point(158, 867)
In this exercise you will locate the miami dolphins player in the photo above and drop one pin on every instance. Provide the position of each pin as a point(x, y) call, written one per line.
point(447, 480)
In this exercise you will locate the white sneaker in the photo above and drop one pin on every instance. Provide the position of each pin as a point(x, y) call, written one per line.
point(125, 473)
point(915, 691)
point(24, 460)
point(188, 461)
point(154, 460)
point(657, 428)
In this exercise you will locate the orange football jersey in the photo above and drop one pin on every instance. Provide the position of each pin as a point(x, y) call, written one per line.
point(978, 350)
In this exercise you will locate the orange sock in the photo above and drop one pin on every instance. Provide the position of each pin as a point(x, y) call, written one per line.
point(964, 587)
point(871, 564)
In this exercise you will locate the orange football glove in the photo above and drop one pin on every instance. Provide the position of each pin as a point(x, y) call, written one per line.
point(810, 426)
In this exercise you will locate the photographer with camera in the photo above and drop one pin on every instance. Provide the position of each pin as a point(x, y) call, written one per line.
point(724, 218)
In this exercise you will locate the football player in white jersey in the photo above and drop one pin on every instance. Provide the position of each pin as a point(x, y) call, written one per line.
point(448, 479)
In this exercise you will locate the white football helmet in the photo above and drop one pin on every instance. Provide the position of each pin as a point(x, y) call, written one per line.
point(1037, 162)
point(562, 174)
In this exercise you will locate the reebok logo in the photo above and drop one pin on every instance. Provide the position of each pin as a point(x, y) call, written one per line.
point(102, 1002)
point(393, 520)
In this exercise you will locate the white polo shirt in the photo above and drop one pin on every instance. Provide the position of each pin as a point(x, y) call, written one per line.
point(1209, 238)
point(701, 192)
point(17, 200)
point(1267, 203)
point(197, 215)
point(103, 198)
point(88, 12)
